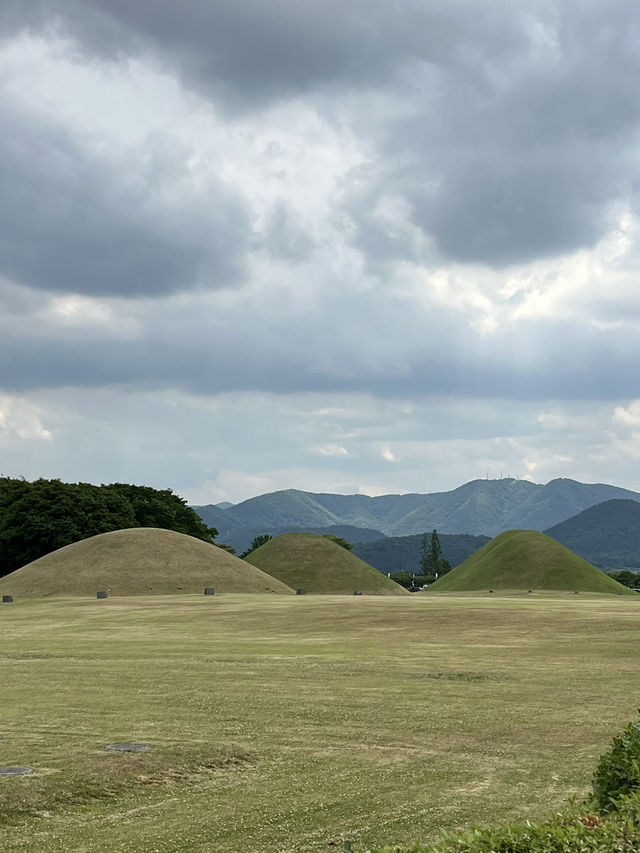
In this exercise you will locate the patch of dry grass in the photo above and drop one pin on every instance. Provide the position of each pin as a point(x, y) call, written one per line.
point(102, 775)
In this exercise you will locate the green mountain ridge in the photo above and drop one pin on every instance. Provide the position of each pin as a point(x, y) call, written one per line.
point(480, 508)
point(606, 535)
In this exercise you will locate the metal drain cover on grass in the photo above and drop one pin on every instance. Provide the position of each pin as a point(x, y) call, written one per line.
point(127, 747)
point(15, 771)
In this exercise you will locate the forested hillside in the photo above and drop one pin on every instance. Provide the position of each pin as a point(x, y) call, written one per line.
point(607, 535)
point(402, 553)
point(481, 508)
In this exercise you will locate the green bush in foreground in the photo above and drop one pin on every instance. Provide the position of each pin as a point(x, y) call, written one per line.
point(618, 771)
point(586, 833)
point(609, 822)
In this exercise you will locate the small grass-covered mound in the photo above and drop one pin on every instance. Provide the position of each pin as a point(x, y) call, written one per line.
point(315, 563)
point(138, 561)
point(527, 560)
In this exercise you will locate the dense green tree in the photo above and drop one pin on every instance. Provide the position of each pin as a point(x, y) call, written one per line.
point(626, 578)
point(425, 564)
point(444, 566)
point(409, 580)
point(339, 541)
point(404, 578)
point(162, 508)
point(435, 551)
point(431, 562)
point(256, 542)
point(41, 516)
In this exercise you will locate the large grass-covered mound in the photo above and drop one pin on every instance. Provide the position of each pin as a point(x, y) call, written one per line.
point(138, 561)
point(315, 563)
point(527, 560)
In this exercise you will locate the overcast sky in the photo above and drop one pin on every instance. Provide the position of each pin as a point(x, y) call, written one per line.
point(356, 246)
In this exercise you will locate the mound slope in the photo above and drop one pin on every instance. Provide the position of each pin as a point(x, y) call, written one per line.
point(523, 560)
point(320, 566)
point(138, 561)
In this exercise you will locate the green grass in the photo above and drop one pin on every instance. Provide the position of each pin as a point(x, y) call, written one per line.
point(319, 565)
point(527, 560)
point(138, 561)
point(283, 723)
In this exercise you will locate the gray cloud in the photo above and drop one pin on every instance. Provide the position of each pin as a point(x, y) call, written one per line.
point(346, 344)
point(519, 126)
point(246, 49)
point(262, 51)
point(74, 220)
point(505, 159)
point(284, 239)
point(487, 134)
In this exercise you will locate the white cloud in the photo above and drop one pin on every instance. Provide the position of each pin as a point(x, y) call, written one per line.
point(330, 450)
point(21, 419)
point(629, 415)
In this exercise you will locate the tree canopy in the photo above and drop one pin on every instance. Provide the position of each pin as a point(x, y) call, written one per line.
point(256, 543)
point(431, 562)
point(626, 578)
point(339, 540)
point(41, 516)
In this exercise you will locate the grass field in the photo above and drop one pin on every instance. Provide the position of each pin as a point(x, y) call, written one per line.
point(279, 723)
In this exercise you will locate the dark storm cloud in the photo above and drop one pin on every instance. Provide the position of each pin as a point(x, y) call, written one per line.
point(515, 125)
point(72, 220)
point(257, 51)
point(518, 122)
point(382, 352)
point(506, 161)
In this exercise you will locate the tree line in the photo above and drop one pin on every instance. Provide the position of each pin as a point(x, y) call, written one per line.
point(432, 565)
point(41, 516)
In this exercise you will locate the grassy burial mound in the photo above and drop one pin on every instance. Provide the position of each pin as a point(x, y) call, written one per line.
point(305, 560)
point(138, 561)
point(527, 560)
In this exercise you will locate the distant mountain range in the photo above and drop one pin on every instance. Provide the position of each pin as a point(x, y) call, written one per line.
point(479, 508)
point(606, 535)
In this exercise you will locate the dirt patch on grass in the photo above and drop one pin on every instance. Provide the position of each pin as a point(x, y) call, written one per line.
point(459, 676)
point(106, 775)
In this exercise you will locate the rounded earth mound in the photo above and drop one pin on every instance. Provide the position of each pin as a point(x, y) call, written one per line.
point(527, 560)
point(319, 565)
point(138, 561)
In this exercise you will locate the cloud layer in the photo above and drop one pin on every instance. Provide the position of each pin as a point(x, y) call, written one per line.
point(431, 207)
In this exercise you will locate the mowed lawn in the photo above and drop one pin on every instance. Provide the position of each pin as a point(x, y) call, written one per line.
point(287, 723)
